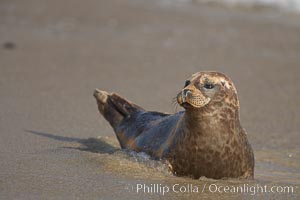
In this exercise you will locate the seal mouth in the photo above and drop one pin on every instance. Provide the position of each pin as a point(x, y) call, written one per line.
point(187, 105)
point(190, 99)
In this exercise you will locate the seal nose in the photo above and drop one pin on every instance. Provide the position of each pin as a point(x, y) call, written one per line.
point(186, 92)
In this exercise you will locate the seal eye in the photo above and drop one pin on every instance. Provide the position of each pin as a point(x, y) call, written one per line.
point(187, 82)
point(208, 86)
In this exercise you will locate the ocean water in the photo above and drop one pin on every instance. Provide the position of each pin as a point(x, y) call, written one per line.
point(283, 5)
point(288, 5)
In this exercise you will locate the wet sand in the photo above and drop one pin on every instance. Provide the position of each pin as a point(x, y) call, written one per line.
point(55, 145)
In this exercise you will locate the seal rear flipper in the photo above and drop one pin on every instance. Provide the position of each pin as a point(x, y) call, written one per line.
point(114, 108)
point(125, 107)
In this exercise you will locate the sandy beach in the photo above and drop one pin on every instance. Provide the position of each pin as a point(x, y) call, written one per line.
point(55, 145)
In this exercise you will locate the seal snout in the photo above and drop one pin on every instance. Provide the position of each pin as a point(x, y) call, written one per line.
point(191, 97)
point(187, 93)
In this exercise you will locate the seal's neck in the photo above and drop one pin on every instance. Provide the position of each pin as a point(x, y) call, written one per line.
point(211, 119)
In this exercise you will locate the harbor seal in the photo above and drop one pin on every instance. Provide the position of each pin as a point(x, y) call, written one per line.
point(206, 139)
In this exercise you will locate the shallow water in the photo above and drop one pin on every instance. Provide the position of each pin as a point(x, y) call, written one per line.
point(279, 170)
point(289, 6)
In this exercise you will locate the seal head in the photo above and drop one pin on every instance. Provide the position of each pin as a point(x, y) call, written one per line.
point(206, 87)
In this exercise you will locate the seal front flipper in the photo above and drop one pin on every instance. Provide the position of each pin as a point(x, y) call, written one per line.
point(114, 108)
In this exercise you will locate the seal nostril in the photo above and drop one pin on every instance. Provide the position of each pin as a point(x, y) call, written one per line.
point(187, 92)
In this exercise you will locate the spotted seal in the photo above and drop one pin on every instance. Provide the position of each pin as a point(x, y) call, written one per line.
point(206, 139)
